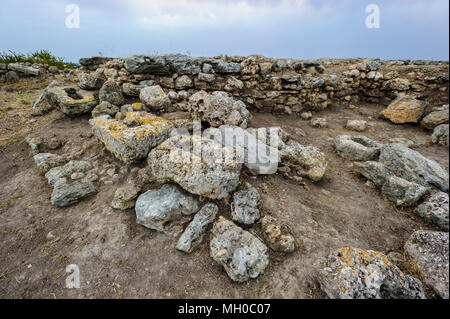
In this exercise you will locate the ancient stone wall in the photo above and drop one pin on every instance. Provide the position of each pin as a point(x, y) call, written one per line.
point(278, 85)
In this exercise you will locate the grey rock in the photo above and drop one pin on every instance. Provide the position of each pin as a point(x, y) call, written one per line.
point(356, 125)
point(155, 98)
point(105, 108)
point(12, 77)
point(183, 64)
point(157, 207)
point(219, 108)
point(93, 63)
point(213, 173)
point(242, 255)
point(222, 67)
point(413, 166)
point(66, 194)
point(357, 148)
point(396, 189)
point(27, 70)
point(61, 172)
point(435, 210)
point(206, 77)
point(244, 208)
point(42, 104)
point(193, 234)
point(319, 123)
point(47, 161)
point(310, 158)
point(70, 100)
point(91, 81)
point(258, 157)
point(130, 89)
point(429, 251)
point(183, 82)
point(147, 64)
point(351, 273)
point(440, 135)
point(125, 197)
point(111, 92)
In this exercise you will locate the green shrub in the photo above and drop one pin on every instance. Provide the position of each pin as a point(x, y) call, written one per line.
point(42, 57)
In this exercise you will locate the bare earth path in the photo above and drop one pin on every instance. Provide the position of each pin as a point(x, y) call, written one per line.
point(120, 259)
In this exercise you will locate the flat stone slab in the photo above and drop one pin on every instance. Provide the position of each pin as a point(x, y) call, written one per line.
point(71, 101)
point(131, 143)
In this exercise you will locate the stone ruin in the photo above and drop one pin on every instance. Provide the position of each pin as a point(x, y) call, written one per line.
point(148, 108)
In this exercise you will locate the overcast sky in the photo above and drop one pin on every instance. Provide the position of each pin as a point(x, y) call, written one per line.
point(409, 29)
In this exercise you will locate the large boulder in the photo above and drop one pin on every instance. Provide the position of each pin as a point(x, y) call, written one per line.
point(200, 166)
point(147, 64)
point(242, 255)
point(357, 148)
point(351, 273)
point(157, 207)
point(218, 108)
point(413, 166)
point(435, 210)
point(244, 208)
point(429, 251)
point(405, 109)
point(193, 234)
point(155, 98)
point(184, 64)
point(394, 188)
point(258, 157)
point(133, 142)
point(310, 159)
point(112, 93)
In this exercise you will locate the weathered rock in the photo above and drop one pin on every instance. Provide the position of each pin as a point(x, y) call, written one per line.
point(274, 137)
point(356, 125)
point(27, 70)
point(204, 168)
point(319, 123)
point(125, 197)
point(184, 64)
point(206, 77)
point(105, 108)
point(429, 251)
point(130, 144)
point(435, 210)
point(413, 166)
point(66, 194)
point(357, 148)
point(242, 255)
point(351, 273)
point(310, 158)
point(440, 135)
point(405, 109)
point(93, 63)
point(91, 81)
point(12, 77)
point(277, 236)
point(258, 157)
point(434, 119)
point(155, 98)
point(218, 108)
point(396, 189)
point(222, 67)
point(157, 207)
point(42, 145)
point(42, 104)
point(131, 89)
point(193, 234)
point(183, 82)
point(61, 172)
point(147, 64)
point(47, 161)
point(111, 92)
point(244, 208)
point(70, 100)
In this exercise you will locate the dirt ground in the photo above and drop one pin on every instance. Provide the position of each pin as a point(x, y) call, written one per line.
point(119, 259)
